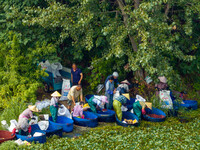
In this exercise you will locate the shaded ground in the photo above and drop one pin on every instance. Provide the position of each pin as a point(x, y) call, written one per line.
point(41, 94)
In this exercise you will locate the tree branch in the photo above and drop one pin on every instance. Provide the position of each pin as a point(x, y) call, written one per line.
point(125, 18)
point(167, 9)
point(137, 3)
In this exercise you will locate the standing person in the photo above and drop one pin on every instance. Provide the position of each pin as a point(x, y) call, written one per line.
point(23, 126)
point(76, 75)
point(97, 101)
point(74, 94)
point(110, 90)
point(117, 104)
point(54, 105)
point(115, 76)
point(123, 87)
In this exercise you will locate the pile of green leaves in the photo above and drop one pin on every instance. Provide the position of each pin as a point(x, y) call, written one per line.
point(171, 134)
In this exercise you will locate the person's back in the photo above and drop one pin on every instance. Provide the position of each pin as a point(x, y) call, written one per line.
point(78, 111)
point(27, 113)
point(74, 92)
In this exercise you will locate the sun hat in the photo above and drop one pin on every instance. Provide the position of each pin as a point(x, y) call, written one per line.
point(125, 82)
point(115, 74)
point(33, 108)
point(127, 95)
point(149, 105)
point(162, 79)
point(104, 99)
point(56, 94)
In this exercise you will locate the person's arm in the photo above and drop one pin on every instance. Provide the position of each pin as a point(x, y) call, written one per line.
point(127, 88)
point(31, 114)
point(81, 112)
point(79, 82)
point(81, 95)
point(107, 85)
point(117, 82)
point(71, 78)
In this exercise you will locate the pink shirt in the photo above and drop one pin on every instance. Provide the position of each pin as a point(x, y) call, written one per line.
point(26, 114)
point(78, 111)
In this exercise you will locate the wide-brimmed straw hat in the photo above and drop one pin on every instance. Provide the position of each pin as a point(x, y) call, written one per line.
point(33, 108)
point(56, 94)
point(125, 82)
point(127, 95)
point(162, 79)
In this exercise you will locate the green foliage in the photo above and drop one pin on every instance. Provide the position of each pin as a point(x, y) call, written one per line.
point(171, 134)
point(20, 76)
point(102, 68)
point(9, 145)
point(158, 40)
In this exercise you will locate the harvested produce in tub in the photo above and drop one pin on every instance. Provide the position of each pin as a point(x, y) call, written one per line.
point(130, 121)
point(155, 116)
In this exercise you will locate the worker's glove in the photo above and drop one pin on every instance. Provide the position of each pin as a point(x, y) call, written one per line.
point(143, 111)
point(29, 130)
point(56, 106)
point(13, 132)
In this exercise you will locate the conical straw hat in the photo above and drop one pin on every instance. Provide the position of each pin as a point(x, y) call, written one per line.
point(149, 105)
point(33, 108)
point(56, 94)
point(127, 96)
point(125, 82)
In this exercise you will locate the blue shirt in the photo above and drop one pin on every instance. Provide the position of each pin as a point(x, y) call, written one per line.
point(110, 87)
point(76, 75)
point(115, 80)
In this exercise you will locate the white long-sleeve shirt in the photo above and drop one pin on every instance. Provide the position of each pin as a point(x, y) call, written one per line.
point(53, 101)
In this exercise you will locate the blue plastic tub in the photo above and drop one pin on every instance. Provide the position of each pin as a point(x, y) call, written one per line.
point(129, 103)
point(40, 139)
point(190, 104)
point(87, 97)
point(64, 122)
point(52, 129)
point(105, 116)
point(127, 115)
point(92, 120)
point(154, 111)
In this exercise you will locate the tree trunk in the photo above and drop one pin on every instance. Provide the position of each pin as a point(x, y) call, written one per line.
point(167, 9)
point(125, 18)
point(138, 73)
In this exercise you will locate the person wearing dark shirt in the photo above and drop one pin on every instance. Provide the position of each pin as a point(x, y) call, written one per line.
point(76, 75)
